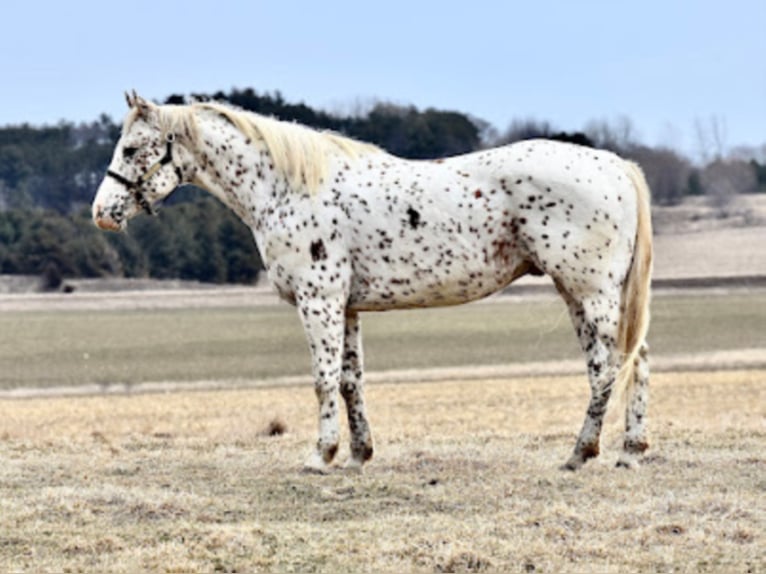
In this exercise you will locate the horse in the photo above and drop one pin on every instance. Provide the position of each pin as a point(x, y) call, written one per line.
point(344, 227)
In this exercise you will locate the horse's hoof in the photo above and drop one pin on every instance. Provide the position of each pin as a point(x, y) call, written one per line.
point(315, 464)
point(628, 461)
point(573, 464)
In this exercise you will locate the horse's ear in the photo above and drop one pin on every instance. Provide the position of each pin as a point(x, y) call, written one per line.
point(138, 103)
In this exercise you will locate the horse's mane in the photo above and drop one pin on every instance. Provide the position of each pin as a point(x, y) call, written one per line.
point(300, 153)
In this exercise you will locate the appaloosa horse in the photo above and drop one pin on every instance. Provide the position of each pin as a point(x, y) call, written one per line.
point(345, 227)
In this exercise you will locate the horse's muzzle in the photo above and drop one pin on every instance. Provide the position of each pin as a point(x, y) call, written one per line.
point(104, 221)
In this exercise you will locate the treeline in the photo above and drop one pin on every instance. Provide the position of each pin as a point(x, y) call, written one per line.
point(197, 239)
point(49, 175)
point(402, 130)
point(56, 168)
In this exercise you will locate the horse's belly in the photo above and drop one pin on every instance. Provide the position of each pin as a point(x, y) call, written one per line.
point(447, 274)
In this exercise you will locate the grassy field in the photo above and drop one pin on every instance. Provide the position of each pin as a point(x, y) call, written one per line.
point(54, 348)
point(465, 479)
point(465, 476)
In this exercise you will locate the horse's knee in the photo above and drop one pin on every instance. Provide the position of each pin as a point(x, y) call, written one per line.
point(326, 385)
point(348, 389)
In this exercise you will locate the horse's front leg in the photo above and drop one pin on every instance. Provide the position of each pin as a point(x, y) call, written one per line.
point(353, 393)
point(324, 320)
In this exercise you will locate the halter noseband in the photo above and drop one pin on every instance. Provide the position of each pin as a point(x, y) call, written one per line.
point(134, 187)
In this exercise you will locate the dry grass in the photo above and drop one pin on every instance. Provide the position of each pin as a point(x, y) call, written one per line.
point(465, 479)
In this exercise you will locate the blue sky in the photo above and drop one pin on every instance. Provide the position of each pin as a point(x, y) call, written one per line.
point(662, 63)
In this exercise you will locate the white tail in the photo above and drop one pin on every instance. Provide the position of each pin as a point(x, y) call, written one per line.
point(636, 290)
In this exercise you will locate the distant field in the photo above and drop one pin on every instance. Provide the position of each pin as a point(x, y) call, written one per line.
point(465, 479)
point(711, 253)
point(53, 348)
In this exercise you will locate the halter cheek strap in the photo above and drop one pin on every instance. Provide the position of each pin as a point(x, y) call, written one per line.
point(134, 187)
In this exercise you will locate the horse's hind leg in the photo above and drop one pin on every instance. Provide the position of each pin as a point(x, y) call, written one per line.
point(595, 320)
point(635, 442)
point(352, 390)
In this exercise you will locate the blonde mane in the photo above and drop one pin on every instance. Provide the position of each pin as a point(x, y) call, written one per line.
point(300, 153)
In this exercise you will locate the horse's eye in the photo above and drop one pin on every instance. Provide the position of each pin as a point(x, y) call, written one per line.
point(129, 152)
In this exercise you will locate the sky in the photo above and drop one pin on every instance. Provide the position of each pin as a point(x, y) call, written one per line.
point(666, 65)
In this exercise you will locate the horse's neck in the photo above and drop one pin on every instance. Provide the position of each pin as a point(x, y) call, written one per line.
point(238, 172)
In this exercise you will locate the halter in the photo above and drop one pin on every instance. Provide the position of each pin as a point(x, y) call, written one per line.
point(134, 187)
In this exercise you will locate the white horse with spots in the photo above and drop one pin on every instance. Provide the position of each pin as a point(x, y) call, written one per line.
point(345, 227)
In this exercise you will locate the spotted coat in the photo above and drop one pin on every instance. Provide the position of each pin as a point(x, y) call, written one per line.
point(374, 232)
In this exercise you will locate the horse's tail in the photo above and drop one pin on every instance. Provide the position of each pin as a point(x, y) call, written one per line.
point(634, 317)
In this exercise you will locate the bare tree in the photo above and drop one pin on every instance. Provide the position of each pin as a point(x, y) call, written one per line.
point(617, 135)
point(723, 180)
point(488, 134)
point(528, 128)
point(711, 138)
point(749, 153)
point(667, 173)
point(357, 108)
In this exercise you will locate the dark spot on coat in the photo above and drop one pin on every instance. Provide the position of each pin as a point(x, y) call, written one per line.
point(414, 217)
point(318, 251)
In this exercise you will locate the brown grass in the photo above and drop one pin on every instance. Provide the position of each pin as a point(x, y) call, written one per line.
point(465, 479)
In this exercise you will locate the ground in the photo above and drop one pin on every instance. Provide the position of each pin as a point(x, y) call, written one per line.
point(465, 479)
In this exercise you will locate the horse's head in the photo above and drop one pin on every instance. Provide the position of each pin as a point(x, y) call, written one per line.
point(148, 164)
